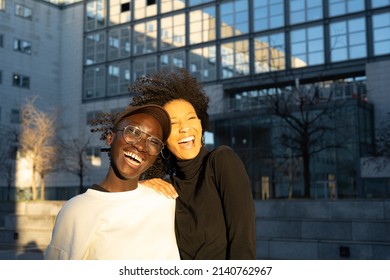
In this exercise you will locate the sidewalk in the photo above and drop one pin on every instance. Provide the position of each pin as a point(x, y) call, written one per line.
point(10, 252)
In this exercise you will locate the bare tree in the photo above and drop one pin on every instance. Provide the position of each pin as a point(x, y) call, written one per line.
point(8, 147)
point(38, 145)
point(75, 159)
point(305, 119)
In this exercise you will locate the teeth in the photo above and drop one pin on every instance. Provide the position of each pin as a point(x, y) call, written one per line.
point(187, 139)
point(133, 156)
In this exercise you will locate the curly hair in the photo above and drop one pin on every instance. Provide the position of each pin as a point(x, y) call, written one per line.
point(160, 88)
point(103, 123)
point(170, 84)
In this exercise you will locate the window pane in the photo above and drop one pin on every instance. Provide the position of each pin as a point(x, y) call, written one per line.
point(305, 10)
point(143, 10)
point(145, 37)
point(234, 18)
point(379, 3)
point(269, 53)
point(202, 25)
point(173, 31)
point(381, 26)
point(174, 58)
point(235, 59)
point(95, 14)
point(202, 63)
point(307, 47)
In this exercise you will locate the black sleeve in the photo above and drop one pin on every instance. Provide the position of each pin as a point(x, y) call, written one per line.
point(236, 195)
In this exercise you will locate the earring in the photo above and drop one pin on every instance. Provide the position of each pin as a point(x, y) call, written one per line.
point(166, 157)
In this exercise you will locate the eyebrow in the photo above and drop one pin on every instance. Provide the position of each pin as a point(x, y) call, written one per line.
point(189, 114)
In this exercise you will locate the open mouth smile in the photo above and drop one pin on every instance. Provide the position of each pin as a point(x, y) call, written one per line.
point(133, 158)
point(187, 140)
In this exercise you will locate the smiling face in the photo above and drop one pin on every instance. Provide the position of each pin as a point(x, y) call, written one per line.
point(129, 161)
point(185, 140)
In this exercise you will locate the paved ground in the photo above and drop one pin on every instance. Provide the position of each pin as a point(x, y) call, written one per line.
point(10, 252)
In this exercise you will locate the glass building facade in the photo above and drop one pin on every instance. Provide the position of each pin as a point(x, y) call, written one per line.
point(243, 51)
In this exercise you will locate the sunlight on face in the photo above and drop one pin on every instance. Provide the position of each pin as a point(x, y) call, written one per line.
point(185, 140)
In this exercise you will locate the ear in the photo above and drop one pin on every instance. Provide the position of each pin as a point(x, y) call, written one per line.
point(109, 138)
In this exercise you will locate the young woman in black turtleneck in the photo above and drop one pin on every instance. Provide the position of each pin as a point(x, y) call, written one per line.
point(215, 217)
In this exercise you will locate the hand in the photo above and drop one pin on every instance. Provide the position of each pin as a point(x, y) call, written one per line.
point(161, 187)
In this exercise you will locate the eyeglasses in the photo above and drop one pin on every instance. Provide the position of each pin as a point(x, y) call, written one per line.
point(132, 135)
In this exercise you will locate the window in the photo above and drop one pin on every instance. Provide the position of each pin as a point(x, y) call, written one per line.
point(176, 58)
point(118, 78)
point(95, 14)
point(173, 30)
point(379, 3)
point(169, 5)
point(269, 53)
point(93, 152)
point(20, 81)
point(202, 63)
point(196, 2)
point(119, 43)
point(1, 40)
point(94, 82)
point(22, 46)
point(307, 46)
point(202, 25)
point(268, 14)
point(94, 155)
point(1, 77)
point(95, 48)
point(305, 10)
point(125, 7)
point(143, 9)
point(234, 18)
point(2, 5)
point(15, 116)
point(23, 11)
point(341, 7)
point(119, 12)
point(381, 27)
point(93, 115)
point(348, 39)
point(235, 59)
point(145, 37)
point(143, 66)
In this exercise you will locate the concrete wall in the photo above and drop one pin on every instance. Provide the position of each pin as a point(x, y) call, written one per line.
point(286, 230)
point(321, 230)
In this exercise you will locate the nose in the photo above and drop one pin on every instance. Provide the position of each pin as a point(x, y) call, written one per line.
point(140, 145)
point(184, 127)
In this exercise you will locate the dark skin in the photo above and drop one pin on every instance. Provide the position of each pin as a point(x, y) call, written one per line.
point(129, 161)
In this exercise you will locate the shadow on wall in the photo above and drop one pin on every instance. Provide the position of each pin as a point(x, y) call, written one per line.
point(30, 251)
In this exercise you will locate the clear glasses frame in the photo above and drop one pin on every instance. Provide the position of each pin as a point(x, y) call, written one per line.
point(132, 135)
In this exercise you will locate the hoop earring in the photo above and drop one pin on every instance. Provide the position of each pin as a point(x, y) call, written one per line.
point(166, 157)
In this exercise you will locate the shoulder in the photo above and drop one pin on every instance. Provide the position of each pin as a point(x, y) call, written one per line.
point(223, 153)
point(75, 205)
point(150, 194)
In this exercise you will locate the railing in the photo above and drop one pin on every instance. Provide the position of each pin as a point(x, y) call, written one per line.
point(255, 99)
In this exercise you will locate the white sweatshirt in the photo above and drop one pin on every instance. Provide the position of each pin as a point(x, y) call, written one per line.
point(136, 224)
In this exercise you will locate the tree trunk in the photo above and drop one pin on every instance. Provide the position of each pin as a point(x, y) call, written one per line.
point(42, 187)
point(81, 187)
point(34, 185)
point(306, 174)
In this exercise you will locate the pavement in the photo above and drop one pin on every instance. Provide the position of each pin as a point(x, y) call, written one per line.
point(12, 252)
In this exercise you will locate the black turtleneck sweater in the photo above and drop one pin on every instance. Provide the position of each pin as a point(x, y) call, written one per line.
point(215, 217)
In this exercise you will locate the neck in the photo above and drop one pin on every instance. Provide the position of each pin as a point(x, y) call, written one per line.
point(114, 184)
